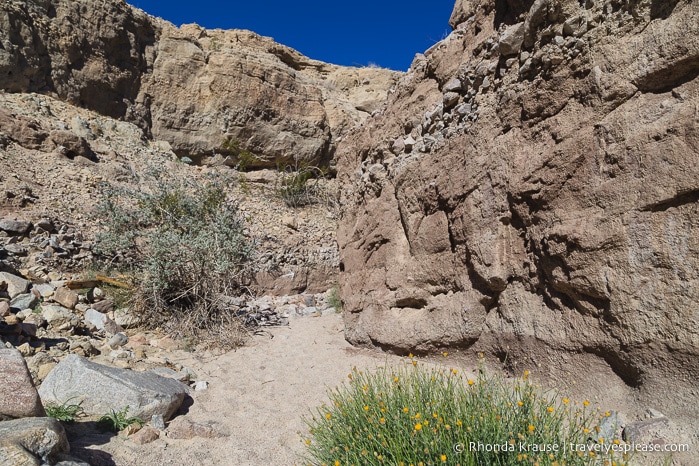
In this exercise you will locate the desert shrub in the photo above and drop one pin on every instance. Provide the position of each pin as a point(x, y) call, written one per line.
point(429, 416)
point(334, 299)
point(301, 184)
point(184, 241)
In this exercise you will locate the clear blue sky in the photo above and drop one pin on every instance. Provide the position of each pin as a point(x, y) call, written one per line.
point(387, 33)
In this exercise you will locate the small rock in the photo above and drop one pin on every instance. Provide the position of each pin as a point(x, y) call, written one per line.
point(59, 317)
point(4, 308)
point(157, 421)
point(201, 385)
point(450, 99)
point(118, 340)
point(182, 428)
point(24, 301)
point(511, 40)
point(453, 85)
point(95, 294)
point(13, 226)
point(146, 435)
point(95, 319)
point(15, 285)
point(130, 430)
point(65, 297)
point(398, 146)
point(25, 350)
point(645, 432)
point(104, 306)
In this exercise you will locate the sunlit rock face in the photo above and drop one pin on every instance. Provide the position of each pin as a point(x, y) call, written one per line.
point(532, 188)
point(205, 92)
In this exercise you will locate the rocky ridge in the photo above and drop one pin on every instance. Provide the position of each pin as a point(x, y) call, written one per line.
point(199, 90)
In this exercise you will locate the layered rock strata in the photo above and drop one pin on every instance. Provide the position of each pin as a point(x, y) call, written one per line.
point(532, 189)
point(206, 92)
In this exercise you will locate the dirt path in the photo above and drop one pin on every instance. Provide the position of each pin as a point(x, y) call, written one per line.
point(257, 395)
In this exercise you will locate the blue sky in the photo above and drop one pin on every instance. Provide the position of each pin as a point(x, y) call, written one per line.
point(357, 33)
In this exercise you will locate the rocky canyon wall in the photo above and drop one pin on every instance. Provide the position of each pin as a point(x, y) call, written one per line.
point(532, 188)
point(203, 91)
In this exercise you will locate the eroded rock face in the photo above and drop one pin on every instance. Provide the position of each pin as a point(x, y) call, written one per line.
point(205, 92)
point(551, 207)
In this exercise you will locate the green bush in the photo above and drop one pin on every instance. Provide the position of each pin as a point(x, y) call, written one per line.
point(185, 244)
point(422, 416)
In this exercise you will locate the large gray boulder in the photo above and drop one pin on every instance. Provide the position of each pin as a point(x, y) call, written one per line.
point(32, 441)
point(18, 396)
point(100, 389)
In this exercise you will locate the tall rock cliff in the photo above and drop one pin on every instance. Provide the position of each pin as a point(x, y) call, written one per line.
point(532, 188)
point(205, 92)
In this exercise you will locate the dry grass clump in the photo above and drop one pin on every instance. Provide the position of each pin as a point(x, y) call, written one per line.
point(185, 246)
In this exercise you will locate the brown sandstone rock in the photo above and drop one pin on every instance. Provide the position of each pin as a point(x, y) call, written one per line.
point(24, 131)
point(65, 297)
point(146, 435)
point(205, 92)
point(553, 211)
point(18, 396)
